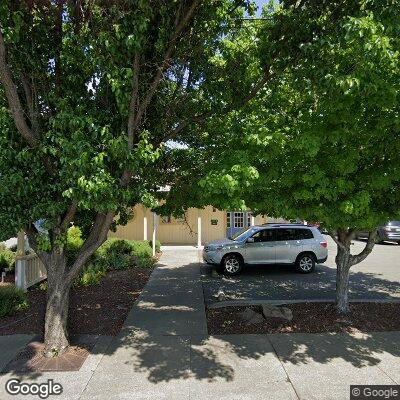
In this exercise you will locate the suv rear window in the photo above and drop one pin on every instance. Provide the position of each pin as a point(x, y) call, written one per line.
point(285, 234)
point(305, 234)
point(293, 234)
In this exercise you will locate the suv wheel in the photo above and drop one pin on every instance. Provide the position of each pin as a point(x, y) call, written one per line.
point(232, 264)
point(305, 263)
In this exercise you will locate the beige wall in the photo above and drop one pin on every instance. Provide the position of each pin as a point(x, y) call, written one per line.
point(178, 232)
point(133, 230)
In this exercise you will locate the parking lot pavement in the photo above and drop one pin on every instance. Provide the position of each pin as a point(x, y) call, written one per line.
point(377, 277)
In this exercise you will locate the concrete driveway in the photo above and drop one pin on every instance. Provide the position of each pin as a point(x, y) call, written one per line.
point(377, 277)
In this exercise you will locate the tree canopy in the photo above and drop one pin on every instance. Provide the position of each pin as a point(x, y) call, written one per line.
point(92, 95)
point(322, 140)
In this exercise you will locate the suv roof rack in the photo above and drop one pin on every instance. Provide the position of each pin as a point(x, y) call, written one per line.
point(285, 224)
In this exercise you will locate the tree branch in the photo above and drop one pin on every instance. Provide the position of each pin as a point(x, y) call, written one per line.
point(134, 101)
point(258, 86)
point(13, 98)
point(333, 236)
point(171, 134)
point(30, 101)
point(164, 64)
point(69, 216)
point(357, 258)
point(97, 236)
point(31, 233)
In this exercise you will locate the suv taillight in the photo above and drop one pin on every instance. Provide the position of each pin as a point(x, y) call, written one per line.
point(324, 244)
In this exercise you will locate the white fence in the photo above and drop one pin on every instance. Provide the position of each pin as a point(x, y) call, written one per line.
point(29, 270)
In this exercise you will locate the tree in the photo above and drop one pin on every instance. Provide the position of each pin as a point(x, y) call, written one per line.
point(321, 142)
point(91, 94)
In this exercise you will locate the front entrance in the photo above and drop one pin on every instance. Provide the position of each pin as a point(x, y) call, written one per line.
point(236, 221)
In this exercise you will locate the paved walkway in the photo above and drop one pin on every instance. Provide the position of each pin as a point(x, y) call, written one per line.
point(164, 352)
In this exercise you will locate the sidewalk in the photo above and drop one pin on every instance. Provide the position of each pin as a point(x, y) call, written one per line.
point(164, 352)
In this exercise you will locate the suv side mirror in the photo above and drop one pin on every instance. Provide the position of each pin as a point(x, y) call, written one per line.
point(250, 240)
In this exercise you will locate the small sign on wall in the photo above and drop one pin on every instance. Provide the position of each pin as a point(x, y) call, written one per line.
point(214, 222)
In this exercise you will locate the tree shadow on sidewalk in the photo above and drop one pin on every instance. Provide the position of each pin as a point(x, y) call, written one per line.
point(138, 354)
point(284, 283)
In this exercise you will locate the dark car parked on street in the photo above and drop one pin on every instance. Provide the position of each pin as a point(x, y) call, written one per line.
point(390, 232)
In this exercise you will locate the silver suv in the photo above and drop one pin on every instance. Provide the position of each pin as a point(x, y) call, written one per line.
point(297, 244)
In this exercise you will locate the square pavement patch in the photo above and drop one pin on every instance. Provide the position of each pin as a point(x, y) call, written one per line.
point(323, 366)
point(142, 366)
point(241, 367)
point(196, 367)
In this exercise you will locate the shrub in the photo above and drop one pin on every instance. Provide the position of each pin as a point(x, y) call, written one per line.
point(43, 286)
point(121, 253)
point(12, 300)
point(146, 262)
point(90, 275)
point(158, 245)
point(7, 258)
point(142, 249)
point(74, 243)
point(115, 254)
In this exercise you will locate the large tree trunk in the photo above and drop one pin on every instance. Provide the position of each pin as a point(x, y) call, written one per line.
point(344, 261)
point(56, 335)
point(60, 276)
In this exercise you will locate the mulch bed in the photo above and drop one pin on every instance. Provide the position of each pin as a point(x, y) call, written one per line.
point(95, 310)
point(308, 318)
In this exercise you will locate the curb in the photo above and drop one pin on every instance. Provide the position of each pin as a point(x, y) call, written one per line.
point(244, 303)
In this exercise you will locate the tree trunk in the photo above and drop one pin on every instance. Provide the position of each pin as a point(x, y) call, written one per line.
point(342, 279)
point(56, 335)
point(344, 261)
point(60, 278)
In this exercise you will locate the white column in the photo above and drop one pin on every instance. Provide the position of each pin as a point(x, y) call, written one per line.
point(20, 278)
point(232, 220)
point(198, 229)
point(145, 225)
point(20, 274)
point(154, 233)
point(21, 243)
point(252, 220)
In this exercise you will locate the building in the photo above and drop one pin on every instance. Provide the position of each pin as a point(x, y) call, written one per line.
point(198, 227)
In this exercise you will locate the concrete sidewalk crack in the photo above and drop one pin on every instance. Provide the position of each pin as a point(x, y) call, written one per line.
point(385, 373)
point(284, 368)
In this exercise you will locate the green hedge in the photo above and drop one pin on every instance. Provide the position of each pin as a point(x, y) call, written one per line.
point(74, 243)
point(158, 245)
point(7, 258)
point(121, 253)
point(90, 275)
point(12, 300)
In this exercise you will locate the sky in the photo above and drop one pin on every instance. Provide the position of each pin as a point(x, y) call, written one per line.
point(260, 3)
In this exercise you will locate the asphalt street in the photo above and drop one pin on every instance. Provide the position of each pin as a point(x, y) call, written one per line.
point(377, 277)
